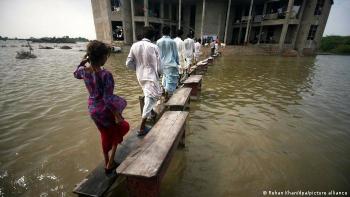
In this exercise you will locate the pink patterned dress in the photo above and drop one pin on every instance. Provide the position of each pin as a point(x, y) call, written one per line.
point(103, 104)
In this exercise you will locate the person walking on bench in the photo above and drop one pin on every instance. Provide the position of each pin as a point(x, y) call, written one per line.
point(169, 61)
point(144, 58)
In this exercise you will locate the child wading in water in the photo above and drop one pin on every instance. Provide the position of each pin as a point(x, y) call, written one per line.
point(105, 108)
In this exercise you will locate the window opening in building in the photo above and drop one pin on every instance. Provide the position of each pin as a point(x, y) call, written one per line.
point(117, 30)
point(319, 7)
point(312, 32)
point(116, 4)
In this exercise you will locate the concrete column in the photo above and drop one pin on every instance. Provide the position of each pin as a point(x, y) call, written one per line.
point(102, 19)
point(179, 14)
point(203, 14)
point(145, 5)
point(262, 22)
point(127, 23)
point(227, 20)
point(248, 23)
point(285, 25)
point(302, 8)
point(133, 20)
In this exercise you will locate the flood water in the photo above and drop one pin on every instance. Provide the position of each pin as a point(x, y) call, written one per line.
point(261, 124)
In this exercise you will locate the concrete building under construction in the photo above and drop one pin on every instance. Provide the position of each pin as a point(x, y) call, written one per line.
point(291, 24)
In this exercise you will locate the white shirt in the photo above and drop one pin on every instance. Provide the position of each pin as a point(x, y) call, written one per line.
point(189, 48)
point(197, 48)
point(180, 48)
point(144, 58)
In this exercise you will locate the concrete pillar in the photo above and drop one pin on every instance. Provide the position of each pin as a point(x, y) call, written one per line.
point(302, 8)
point(262, 22)
point(145, 10)
point(133, 20)
point(248, 23)
point(127, 22)
point(285, 25)
point(203, 14)
point(227, 20)
point(102, 19)
point(179, 14)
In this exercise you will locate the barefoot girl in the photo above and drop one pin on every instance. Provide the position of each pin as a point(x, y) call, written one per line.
point(105, 108)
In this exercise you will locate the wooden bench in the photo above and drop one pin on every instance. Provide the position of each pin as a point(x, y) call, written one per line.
point(145, 167)
point(97, 182)
point(194, 82)
point(180, 100)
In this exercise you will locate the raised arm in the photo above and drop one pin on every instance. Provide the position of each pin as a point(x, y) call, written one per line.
point(80, 70)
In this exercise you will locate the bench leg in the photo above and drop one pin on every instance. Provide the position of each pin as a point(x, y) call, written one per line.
point(182, 140)
point(143, 187)
point(196, 89)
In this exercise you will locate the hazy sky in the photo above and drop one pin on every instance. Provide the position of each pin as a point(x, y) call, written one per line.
point(39, 18)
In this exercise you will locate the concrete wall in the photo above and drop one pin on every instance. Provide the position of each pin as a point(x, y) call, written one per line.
point(186, 19)
point(215, 17)
point(101, 10)
point(309, 19)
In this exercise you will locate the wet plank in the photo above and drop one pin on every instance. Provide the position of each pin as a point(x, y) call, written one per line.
point(147, 160)
point(193, 79)
point(180, 98)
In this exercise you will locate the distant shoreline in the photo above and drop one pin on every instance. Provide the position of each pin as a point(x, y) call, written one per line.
point(64, 39)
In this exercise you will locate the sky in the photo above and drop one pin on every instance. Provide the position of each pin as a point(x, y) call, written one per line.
point(73, 18)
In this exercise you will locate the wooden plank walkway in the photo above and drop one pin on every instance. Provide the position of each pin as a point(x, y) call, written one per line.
point(146, 165)
point(180, 100)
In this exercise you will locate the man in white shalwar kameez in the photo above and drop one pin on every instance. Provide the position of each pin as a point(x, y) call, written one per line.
point(197, 50)
point(144, 58)
point(189, 51)
point(180, 49)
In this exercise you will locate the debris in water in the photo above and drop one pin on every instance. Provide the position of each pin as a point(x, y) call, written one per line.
point(26, 54)
point(65, 47)
point(3, 175)
point(21, 182)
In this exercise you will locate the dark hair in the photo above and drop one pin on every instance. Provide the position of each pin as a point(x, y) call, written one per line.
point(148, 32)
point(166, 30)
point(199, 40)
point(190, 35)
point(179, 32)
point(96, 50)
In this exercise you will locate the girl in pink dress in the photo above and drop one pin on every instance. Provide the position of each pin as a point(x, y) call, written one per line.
point(105, 108)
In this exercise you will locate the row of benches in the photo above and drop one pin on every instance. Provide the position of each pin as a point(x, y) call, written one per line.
point(144, 160)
